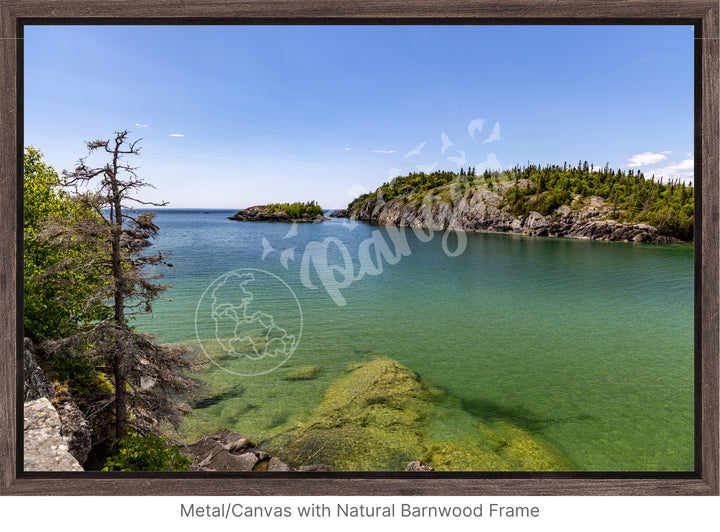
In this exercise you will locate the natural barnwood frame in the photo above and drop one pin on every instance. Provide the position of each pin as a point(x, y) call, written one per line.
point(703, 14)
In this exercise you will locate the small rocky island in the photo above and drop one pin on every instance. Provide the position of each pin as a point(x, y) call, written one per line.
point(281, 212)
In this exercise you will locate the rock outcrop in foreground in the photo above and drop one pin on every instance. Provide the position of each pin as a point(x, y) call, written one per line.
point(44, 447)
point(43, 404)
point(230, 451)
point(36, 385)
point(484, 210)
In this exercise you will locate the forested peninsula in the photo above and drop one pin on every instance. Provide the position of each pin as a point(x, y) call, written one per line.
point(281, 212)
point(582, 202)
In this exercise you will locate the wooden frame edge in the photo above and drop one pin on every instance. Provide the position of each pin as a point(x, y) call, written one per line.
point(703, 13)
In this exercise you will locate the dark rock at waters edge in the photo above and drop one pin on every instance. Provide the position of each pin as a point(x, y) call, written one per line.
point(342, 213)
point(419, 466)
point(485, 211)
point(259, 213)
point(230, 451)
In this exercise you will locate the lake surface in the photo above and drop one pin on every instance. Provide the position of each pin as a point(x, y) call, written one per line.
point(587, 344)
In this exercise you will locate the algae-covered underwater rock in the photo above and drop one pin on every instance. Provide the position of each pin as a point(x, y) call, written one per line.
point(376, 416)
point(303, 373)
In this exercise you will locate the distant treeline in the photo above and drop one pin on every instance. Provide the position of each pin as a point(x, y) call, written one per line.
point(635, 199)
point(296, 210)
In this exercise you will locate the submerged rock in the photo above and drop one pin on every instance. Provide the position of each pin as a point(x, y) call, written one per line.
point(380, 415)
point(303, 373)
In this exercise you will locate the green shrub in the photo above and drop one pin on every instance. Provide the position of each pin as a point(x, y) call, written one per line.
point(147, 453)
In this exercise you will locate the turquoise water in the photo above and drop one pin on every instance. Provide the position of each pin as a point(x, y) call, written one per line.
point(587, 344)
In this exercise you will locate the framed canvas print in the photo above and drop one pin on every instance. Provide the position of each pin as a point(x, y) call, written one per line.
point(454, 248)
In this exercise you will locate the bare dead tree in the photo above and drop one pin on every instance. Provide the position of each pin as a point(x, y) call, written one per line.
point(145, 375)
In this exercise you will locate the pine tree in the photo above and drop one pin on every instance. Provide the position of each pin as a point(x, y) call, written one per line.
point(144, 374)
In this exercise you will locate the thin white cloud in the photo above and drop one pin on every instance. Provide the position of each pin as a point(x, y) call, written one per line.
point(446, 142)
point(687, 164)
point(141, 125)
point(684, 170)
point(645, 159)
point(347, 148)
point(176, 135)
point(416, 150)
point(384, 151)
point(495, 135)
point(475, 125)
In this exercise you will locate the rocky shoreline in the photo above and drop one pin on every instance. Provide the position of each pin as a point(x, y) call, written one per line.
point(259, 213)
point(485, 211)
point(230, 451)
point(58, 437)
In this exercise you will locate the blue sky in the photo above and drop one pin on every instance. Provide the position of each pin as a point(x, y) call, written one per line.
point(232, 116)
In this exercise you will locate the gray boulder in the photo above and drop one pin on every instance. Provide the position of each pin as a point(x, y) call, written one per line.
point(44, 447)
point(230, 451)
point(75, 429)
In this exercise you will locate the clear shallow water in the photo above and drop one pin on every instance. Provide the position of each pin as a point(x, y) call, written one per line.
point(588, 344)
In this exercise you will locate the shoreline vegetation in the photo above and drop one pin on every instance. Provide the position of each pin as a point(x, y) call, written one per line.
point(580, 202)
point(281, 212)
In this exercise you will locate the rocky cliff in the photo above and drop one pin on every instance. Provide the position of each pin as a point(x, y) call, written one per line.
point(57, 435)
point(484, 210)
point(44, 447)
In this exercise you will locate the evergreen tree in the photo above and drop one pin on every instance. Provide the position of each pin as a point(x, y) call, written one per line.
point(144, 374)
